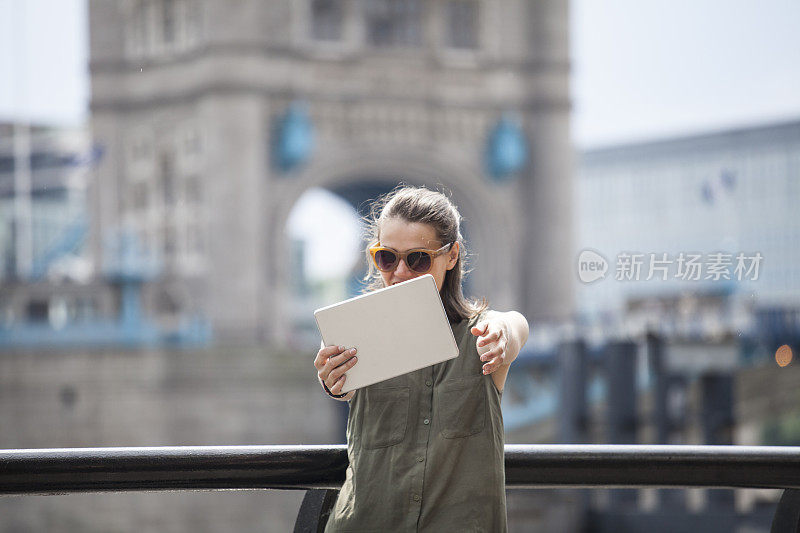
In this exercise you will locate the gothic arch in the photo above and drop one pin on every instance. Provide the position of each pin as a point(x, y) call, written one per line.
point(488, 228)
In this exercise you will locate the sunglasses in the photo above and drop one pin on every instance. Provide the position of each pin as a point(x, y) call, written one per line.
point(418, 260)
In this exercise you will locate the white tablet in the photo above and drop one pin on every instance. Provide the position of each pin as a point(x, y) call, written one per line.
point(396, 330)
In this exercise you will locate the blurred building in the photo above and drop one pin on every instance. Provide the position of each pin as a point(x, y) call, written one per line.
point(45, 270)
point(50, 169)
point(218, 116)
point(729, 192)
point(52, 290)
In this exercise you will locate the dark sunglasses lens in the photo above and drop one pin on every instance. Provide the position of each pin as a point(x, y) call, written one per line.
point(419, 261)
point(385, 259)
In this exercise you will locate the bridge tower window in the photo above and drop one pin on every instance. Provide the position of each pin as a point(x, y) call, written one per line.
point(393, 22)
point(462, 24)
point(327, 18)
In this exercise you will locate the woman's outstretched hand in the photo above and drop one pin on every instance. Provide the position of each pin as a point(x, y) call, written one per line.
point(492, 342)
point(332, 363)
point(500, 338)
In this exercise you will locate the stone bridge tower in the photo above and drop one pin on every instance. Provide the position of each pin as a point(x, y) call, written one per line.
point(187, 97)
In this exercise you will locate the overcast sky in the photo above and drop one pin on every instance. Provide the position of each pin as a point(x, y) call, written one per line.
point(648, 69)
point(44, 74)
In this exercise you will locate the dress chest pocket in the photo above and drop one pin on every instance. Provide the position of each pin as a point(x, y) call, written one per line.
point(385, 417)
point(462, 407)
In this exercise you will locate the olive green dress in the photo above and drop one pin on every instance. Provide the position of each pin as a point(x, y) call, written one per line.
point(426, 450)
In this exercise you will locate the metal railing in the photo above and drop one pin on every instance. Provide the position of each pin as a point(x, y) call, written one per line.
point(311, 468)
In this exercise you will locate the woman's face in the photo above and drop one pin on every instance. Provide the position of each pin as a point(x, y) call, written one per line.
point(402, 236)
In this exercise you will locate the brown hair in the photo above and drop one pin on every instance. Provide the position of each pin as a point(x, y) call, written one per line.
point(419, 204)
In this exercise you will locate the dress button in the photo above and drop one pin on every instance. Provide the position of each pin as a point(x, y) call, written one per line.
point(416, 497)
point(420, 459)
point(428, 383)
point(426, 421)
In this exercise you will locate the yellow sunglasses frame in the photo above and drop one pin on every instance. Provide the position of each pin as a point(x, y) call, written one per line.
point(403, 255)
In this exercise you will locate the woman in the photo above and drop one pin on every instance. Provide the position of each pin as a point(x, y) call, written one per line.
point(426, 449)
